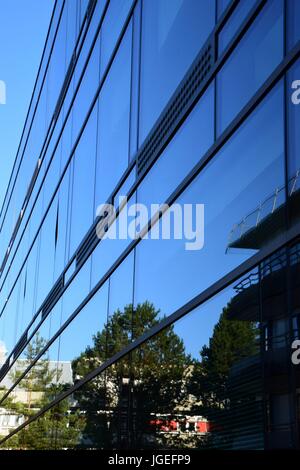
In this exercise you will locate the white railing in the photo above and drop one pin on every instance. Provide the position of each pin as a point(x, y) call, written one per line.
point(265, 209)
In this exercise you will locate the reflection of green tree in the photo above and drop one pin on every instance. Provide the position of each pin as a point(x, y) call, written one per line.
point(57, 428)
point(149, 380)
point(157, 378)
point(232, 341)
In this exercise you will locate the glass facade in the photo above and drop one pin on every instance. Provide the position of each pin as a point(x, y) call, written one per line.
point(140, 342)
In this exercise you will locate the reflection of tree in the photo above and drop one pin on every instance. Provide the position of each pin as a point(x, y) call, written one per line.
point(155, 382)
point(57, 428)
point(232, 342)
point(159, 379)
point(149, 380)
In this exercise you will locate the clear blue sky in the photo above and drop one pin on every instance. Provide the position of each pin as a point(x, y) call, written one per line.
point(23, 29)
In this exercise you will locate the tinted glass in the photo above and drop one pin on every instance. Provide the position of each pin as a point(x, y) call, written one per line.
point(237, 204)
point(256, 56)
point(165, 56)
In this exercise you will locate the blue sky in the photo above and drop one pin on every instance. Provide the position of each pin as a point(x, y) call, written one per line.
point(23, 30)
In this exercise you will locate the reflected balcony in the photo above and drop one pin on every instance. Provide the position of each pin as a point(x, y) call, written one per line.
point(266, 221)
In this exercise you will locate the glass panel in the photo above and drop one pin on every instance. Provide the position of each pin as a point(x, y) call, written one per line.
point(112, 27)
point(190, 143)
point(293, 21)
point(244, 174)
point(239, 14)
point(112, 246)
point(293, 93)
point(83, 183)
point(87, 90)
point(62, 225)
point(125, 188)
point(295, 281)
point(47, 254)
point(113, 134)
point(121, 286)
point(165, 55)
point(256, 56)
point(222, 5)
point(196, 384)
point(204, 382)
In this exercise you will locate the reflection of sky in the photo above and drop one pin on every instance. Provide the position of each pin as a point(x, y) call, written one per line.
point(22, 40)
point(243, 174)
point(167, 275)
point(196, 328)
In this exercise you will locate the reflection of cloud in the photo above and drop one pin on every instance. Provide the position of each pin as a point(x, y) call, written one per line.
point(2, 92)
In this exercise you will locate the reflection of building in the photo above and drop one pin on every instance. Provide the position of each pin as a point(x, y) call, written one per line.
point(270, 297)
point(9, 420)
point(162, 101)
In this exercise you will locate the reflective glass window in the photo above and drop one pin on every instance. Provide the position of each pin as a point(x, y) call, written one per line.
point(293, 21)
point(187, 147)
point(242, 190)
point(113, 133)
point(165, 56)
point(221, 6)
point(83, 183)
point(112, 26)
point(256, 56)
point(293, 96)
point(239, 14)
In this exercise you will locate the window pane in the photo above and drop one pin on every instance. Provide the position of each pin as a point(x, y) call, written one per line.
point(112, 26)
point(257, 55)
point(235, 21)
point(294, 139)
point(113, 134)
point(159, 397)
point(222, 5)
point(165, 56)
point(293, 22)
point(190, 143)
point(239, 184)
point(83, 183)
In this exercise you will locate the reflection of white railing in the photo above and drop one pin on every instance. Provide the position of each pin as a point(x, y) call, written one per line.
point(266, 208)
point(275, 263)
point(247, 282)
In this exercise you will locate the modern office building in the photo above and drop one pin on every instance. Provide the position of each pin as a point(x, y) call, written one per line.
point(163, 101)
